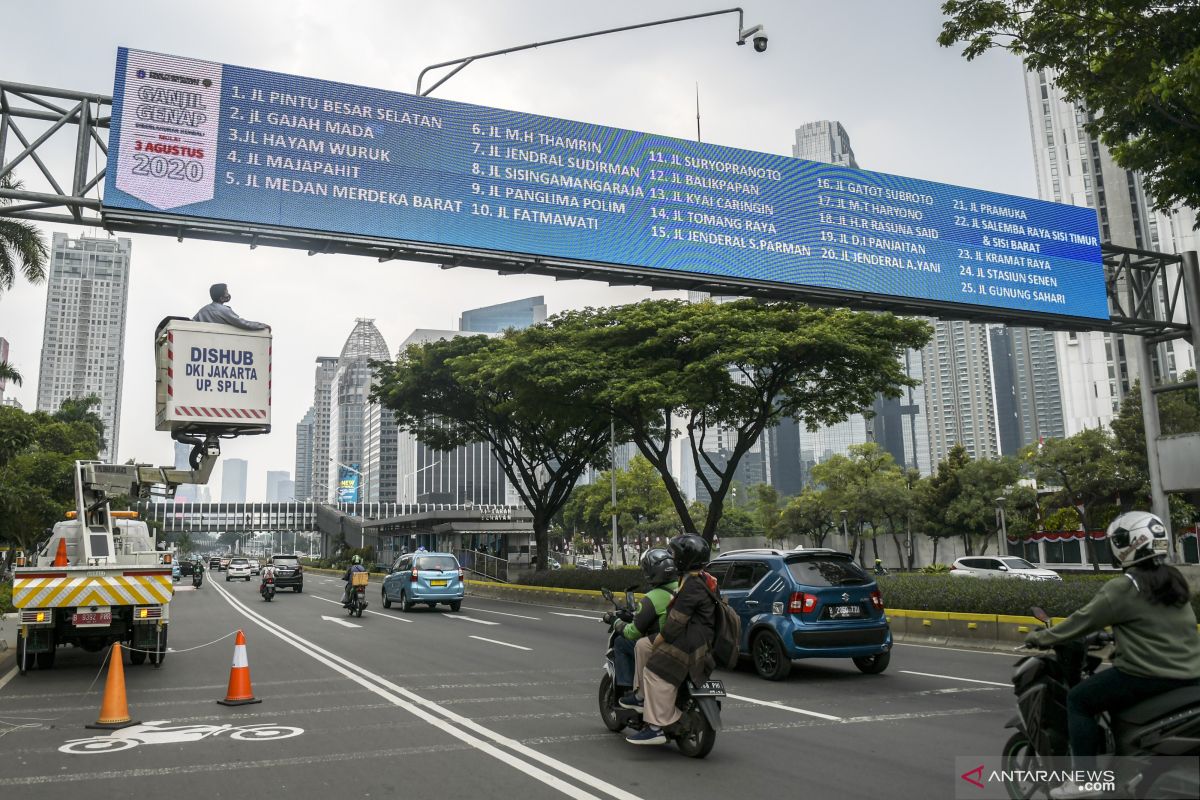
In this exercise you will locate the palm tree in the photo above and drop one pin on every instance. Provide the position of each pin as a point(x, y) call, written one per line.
point(21, 246)
point(9, 373)
point(79, 409)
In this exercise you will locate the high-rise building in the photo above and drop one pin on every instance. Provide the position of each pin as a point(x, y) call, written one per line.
point(494, 319)
point(825, 141)
point(958, 391)
point(1028, 402)
point(1096, 370)
point(380, 440)
point(83, 341)
point(304, 455)
point(233, 480)
point(348, 403)
point(466, 474)
point(276, 491)
point(322, 489)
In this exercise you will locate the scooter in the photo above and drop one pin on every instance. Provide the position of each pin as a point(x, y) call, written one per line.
point(358, 601)
point(197, 578)
point(696, 731)
point(1166, 725)
point(267, 588)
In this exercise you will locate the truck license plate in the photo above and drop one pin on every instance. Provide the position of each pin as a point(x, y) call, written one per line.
point(101, 617)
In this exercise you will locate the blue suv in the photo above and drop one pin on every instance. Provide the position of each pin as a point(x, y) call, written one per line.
point(804, 603)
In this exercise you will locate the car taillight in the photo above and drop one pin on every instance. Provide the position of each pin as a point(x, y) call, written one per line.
point(299, 569)
point(802, 603)
point(460, 574)
point(877, 600)
point(413, 577)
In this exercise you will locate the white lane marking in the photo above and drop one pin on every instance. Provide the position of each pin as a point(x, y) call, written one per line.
point(340, 621)
point(504, 613)
point(446, 720)
point(461, 618)
point(953, 678)
point(580, 616)
point(392, 617)
point(8, 677)
point(782, 707)
point(506, 644)
point(955, 649)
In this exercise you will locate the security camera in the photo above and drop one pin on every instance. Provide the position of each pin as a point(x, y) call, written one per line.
point(760, 40)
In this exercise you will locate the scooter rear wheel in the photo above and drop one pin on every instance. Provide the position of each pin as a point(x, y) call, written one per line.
point(700, 740)
point(608, 705)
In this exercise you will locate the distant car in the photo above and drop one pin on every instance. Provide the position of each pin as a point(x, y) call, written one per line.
point(553, 563)
point(238, 568)
point(1002, 567)
point(429, 578)
point(255, 567)
point(187, 567)
point(289, 574)
point(176, 571)
point(589, 563)
point(224, 565)
point(214, 563)
point(813, 603)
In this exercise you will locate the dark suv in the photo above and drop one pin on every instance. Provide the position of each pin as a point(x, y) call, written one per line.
point(804, 603)
point(288, 573)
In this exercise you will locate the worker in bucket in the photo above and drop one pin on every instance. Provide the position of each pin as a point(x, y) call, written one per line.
point(217, 311)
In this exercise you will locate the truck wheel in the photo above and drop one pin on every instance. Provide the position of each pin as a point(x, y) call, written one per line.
point(137, 657)
point(46, 660)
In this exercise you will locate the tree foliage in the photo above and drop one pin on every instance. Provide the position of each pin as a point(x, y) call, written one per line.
point(22, 249)
point(1135, 64)
point(520, 393)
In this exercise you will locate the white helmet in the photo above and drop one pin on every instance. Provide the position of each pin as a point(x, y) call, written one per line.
point(1137, 536)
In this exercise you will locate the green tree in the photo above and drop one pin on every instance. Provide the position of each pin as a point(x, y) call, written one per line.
point(82, 409)
point(1134, 64)
point(22, 249)
point(521, 393)
point(735, 368)
point(9, 373)
point(861, 484)
point(973, 510)
point(936, 495)
point(765, 509)
point(810, 513)
point(1086, 473)
point(37, 471)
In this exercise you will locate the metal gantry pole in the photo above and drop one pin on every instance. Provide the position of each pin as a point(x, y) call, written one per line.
point(612, 471)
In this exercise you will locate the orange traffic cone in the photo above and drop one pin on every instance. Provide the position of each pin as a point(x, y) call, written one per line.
point(114, 711)
point(60, 558)
point(239, 692)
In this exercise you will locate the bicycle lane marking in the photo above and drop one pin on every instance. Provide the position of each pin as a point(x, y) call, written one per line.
point(425, 710)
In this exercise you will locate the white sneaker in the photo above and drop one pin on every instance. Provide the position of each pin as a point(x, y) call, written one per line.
point(1070, 791)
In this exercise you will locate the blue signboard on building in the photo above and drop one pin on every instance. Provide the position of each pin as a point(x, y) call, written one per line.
point(214, 141)
point(348, 483)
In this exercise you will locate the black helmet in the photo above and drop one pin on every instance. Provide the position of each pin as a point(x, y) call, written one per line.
point(690, 551)
point(659, 567)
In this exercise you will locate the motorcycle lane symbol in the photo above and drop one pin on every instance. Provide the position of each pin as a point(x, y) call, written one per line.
point(162, 732)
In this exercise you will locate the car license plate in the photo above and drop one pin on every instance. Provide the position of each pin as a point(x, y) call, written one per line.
point(710, 688)
point(438, 583)
point(844, 612)
point(101, 617)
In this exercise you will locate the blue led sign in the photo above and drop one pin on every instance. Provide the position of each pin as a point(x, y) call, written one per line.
point(219, 142)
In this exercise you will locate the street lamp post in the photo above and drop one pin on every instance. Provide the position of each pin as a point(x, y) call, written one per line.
point(417, 472)
point(757, 33)
point(1003, 531)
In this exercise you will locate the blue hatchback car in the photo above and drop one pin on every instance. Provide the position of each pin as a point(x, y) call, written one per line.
point(429, 578)
point(804, 603)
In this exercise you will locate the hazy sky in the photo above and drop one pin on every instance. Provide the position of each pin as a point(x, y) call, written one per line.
point(911, 108)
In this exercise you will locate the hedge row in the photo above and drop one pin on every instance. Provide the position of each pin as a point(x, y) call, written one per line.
point(947, 593)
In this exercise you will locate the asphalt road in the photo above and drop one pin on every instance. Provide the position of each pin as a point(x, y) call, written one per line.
point(496, 700)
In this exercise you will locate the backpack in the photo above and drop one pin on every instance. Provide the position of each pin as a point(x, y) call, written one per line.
point(727, 632)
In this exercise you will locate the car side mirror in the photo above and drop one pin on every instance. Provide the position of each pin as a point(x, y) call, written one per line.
point(1040, 614)
point(1003, 568)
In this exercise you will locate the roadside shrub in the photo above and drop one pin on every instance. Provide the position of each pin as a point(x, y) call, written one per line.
point(618, 579)
point(6, 605)
point(935, 569)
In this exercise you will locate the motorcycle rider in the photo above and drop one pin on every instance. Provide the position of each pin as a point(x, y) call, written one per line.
point(662, 576)
point(681, 649)
point(268, 572)
point(1157, 645)
point(355, 566)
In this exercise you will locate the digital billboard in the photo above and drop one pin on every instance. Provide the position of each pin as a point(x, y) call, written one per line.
point(220, 142)
point(348, 483)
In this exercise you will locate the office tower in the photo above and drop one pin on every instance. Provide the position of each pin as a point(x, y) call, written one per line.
point(825, 141)
point(467, 474)
point(958, 391)
point(233, 480)
point(1095, 370)
point(187, 492)
point(380, 440)
point(287, 491)
point(348, 403)
point(1028, 402)
point(304, 455)
point(3, 360)
point(494, 319)
point(83, 341)
point(900, 425)
point(275, 486)
point(322, 489)
point(1177, 233)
